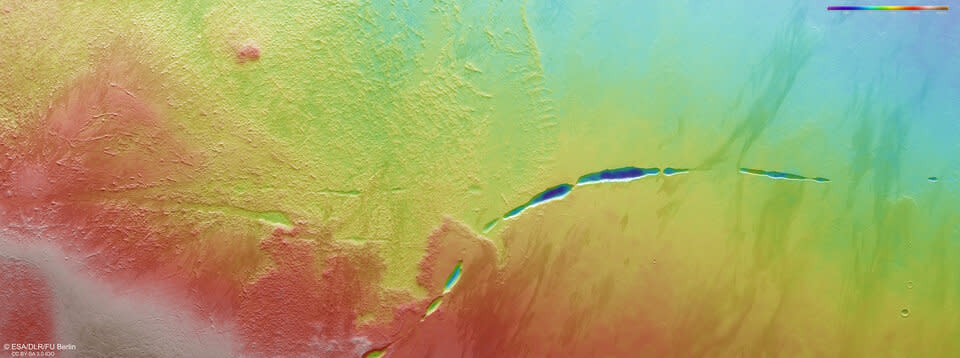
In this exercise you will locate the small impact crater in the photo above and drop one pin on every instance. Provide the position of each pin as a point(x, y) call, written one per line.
point(248, 52)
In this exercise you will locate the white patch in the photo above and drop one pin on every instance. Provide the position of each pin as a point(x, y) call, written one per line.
point(102, 322)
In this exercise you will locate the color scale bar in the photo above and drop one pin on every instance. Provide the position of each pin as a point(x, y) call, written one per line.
point(887, 7)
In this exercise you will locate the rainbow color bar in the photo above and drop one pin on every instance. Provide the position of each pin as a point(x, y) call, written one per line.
point(888, 7)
